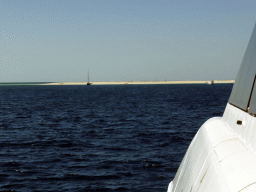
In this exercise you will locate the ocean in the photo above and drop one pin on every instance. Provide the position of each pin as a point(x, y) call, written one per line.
point(100, 138)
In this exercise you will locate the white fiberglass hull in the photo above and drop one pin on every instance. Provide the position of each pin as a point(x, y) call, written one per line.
point(219, 158)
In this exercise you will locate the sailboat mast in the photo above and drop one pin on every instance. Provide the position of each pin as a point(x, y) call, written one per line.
point(88, 77)
point(88, 83)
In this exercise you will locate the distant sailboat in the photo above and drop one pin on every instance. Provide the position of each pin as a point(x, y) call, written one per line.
point(88, 82)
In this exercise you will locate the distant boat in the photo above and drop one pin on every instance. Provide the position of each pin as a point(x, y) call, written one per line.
point(88, 82)
point(210, 82)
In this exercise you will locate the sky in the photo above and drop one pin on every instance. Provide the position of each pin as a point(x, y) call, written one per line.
point(123, 40)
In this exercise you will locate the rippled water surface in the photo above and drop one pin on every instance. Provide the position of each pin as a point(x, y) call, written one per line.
point(100, 138)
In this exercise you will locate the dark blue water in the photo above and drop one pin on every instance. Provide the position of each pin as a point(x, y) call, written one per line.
point(100, 138)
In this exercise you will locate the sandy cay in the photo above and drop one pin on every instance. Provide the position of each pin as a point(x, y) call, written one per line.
point(140, 82)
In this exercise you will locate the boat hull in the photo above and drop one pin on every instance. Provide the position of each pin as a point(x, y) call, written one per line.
point(218, 159)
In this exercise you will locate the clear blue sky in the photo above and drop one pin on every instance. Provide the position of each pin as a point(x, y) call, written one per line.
point(123, 40)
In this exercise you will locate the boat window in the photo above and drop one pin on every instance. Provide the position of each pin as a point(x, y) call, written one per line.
point(242, 89)
point(252, 100)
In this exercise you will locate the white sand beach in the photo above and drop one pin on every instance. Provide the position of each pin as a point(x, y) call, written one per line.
point(140, 82)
